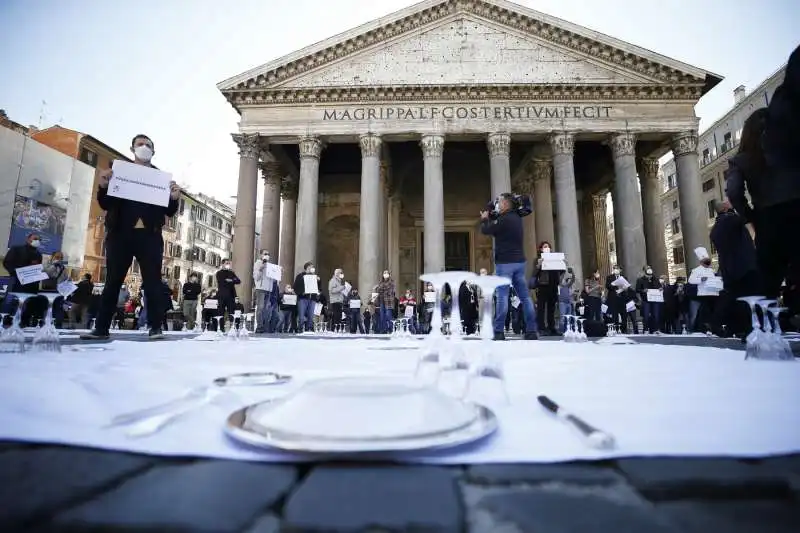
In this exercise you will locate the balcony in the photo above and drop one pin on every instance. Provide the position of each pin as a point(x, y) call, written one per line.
point(724, 148)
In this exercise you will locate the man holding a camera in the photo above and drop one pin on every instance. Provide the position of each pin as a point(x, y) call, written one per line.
point(503, 222)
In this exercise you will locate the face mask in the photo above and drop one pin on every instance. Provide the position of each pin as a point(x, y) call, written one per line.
point(649, 272)
point(36, 243)
point(616, 271)
point(341, 276)
point(546, 250)
point(386, 276)
point(311, 270)
point(265, 257)
point(597, 276)
point(143, 153)
point(193, 280)
point(226, 267)
point(497, 206)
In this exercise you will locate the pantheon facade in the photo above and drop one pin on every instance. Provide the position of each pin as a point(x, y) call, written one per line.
point(378, 147)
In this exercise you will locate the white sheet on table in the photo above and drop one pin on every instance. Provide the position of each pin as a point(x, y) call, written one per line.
point(659, 400)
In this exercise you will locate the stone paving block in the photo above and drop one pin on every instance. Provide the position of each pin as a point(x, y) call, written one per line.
point(712, 478)
point(734, 517)
point(212, 496)
point(36, 481)
point(355, 498)
point(570, 473)
point(543, 511)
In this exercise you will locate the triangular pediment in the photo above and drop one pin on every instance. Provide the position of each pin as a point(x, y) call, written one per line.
point(468, 42)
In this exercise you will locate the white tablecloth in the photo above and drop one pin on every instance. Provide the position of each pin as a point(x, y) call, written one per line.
point(656, 400)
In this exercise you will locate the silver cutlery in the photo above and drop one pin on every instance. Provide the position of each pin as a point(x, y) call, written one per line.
point(593, 436)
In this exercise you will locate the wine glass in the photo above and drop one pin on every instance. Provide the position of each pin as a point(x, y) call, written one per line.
point(754, 338)
point(569, 329)
point(785, 349)
point(46, 338)
point(770, 349)
point(220, 334)
point(486, 383)
point(429, 362)
point(582, 337)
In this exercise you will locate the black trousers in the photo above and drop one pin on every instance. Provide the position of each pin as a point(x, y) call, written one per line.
point(730, 312)
point(777, 244)
point(147, 247)
point(336, 314)
point(226, 307)
point(546, 302)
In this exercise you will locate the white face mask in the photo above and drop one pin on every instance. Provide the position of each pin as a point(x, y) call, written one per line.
point(341, 275)
point(546, 250)
point(497, 206)
point(649, 272)
point(143, 153)
point(616, 271)
point(386, 276)
point(311, 270)
point(265, 257)
point(36, 243)
point(226, 267)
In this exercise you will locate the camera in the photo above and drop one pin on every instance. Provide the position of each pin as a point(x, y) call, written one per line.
point(521, 203)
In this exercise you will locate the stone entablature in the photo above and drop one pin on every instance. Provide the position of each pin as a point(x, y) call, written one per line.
point(284, 124)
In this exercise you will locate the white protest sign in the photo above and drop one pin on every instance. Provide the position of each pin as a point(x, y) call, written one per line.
point(604, 309)
point(409, 311)
point(66, 287)
point(289, 299)
point(655, 295)
point(31, 274)
point(140, 183)
point(355, 304)
point(429, 297)
point(346, 290)
point(237, 313)
point(317, 309)
point(273, 271)
point(621, 283)
point(210, 304)
point(630, 306)
point(553, 261)
point(310, 284)
point(514, 302)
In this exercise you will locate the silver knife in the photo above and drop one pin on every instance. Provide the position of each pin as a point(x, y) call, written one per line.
point(593, 436)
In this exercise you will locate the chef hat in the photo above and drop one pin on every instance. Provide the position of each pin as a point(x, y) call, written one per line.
point(701, 253)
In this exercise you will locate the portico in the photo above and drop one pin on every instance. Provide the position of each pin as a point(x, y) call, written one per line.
point(396, 134)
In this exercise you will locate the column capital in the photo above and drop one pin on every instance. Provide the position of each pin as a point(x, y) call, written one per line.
point(599, 202)
point(288, 188)
point(499, 144)
point(370, 144)
point(622, 144)
point(541, 169)
point(524, 183)
point(562, 143)
point(310, 147)
point(270, 168)
point(684, 143)
point(249, 145)
point(648, 168)
point(432, 145)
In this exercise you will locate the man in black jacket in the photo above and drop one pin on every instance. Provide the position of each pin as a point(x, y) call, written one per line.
point(738, 268)
point(307, 297)
point(133, 229)
point(509, 261)
point(191, 292)
point(227, 280)
point(24, 255)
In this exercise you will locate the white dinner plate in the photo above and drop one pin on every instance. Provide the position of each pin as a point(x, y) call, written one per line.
point(241, 428)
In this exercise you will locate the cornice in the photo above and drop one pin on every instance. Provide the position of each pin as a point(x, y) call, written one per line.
point(464, 93)
point(547, 31)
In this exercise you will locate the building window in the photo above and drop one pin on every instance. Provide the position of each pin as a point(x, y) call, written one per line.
point(176, 272)
point(674, 204)
point(712, 212)
point(611, 247)
point(181, 206)
point(676, 226)
point(88, 157)
point(228, 228)
point(210, 281)
point(677, 255)
point(706, 156)
point(727, 142)
point(708, 185)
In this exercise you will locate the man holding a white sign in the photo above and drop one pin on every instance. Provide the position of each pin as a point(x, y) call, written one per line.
point(140, 199)
point(265, 275)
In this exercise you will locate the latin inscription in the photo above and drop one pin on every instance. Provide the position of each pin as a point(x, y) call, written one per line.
point(467, 113)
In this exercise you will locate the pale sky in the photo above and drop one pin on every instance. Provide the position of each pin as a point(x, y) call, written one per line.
point(114, 68)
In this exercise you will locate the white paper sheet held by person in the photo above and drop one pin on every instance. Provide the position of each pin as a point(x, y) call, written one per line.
point(139, 183)
point(31, 274)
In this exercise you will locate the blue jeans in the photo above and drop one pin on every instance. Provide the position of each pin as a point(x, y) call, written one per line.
point(305, 318)
point(384, 320)
point(651, 316)
point(515, 271)
point(263, 311)
point(564, 309)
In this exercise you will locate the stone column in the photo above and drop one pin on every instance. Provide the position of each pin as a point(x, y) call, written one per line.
point(601, 233)
point(588, 239)
point(627, 206)
point(543, 201)
point(244, 225)
point(383, 218)
point(653, 217)
point(393, 238)
point(433, 192)
point(694, 221)
point(307, 202)
point(271, 208)
point(569, 238)
point(369, 238)
point(525, 186)
point(288, 223)
point(499, 161)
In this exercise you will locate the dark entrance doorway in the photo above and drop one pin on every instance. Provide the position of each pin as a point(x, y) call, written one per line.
point(456, 251)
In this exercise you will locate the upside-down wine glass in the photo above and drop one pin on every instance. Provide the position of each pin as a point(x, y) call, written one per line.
point(429, 363)
point(46, 338)
point(770, 349)
point(754, 338)
point(486, 383)
point(455, 367)
point(783, 347)
point(582, 337)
